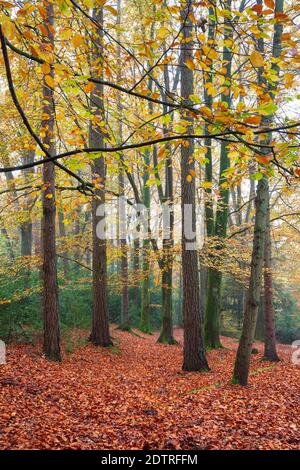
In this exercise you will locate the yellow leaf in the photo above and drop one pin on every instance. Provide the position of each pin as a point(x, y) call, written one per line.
point(77, 40)
point(206, 184)
point(66, 34)
point(289, 79)
point(162, 153)
point(190, 64)
point(189, 178)
point(162, 32)
point(49, 196)
point(111, 9)
point(257, 59)
point(206, 111)
point(50, 81)
point(210, 53)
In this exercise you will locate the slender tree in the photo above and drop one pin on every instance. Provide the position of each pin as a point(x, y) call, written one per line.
point(167, 199)
point(49, 271)
point(194, 351)
point(213, 301)
point(62, 234)
point(242, 363)
point(145, 326)
point(125, 324)
point(26, 226)
point(100, 327)
point(270, 352)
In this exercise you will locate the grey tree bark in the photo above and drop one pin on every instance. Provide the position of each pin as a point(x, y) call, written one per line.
point(194, 351)
point(100, 327)
point(51, 344)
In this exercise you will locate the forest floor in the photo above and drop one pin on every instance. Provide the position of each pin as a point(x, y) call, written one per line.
point(135, 396)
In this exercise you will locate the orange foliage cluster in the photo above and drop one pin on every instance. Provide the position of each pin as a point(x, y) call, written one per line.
point(137, 397)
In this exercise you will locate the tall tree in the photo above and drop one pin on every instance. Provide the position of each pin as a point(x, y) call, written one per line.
point(50, 289)
point(242, 363)
point(121, 183)
point(194, 351)
point(145, 326)
point(167, 199)
point(26, 226)
point(100, 327)
point(213, 300)
point(270, 352)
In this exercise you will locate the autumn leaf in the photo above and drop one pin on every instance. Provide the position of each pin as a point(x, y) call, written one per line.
point(42, 11)
point(190, 64)
point(46, 68)
point(270, 4)
point(253, 120)
point(297, 171)
point(89, 87)
point(50, 81)
point(210, 52)
point(111, 9)
point(77, 40)
point(257, 59)
point(162, 32)
point(264, 159)
point(206, 184)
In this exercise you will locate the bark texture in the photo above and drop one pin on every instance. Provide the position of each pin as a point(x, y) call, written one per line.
point(51, 344)
point(242, 363)
point(270, 352)
point(100, 327)
point(194, 351)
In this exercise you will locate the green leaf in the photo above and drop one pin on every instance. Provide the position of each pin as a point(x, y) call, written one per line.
point(257, 176)
point(268, 108)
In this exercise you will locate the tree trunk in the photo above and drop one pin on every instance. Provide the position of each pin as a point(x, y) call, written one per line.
point(62, 234)
point(9, 244)
point(100, 327)
point(179, 300)
point(270, 352)
point(125, 324)
point(213, 301)
point(145, 325)
point(242, 363)
point(50, 289)
point(166, 335)
point(136, 268)
point(260, 323)
point(194, 351)
point(26, 226)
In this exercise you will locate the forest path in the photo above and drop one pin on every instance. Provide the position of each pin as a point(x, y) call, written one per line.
point(136, 396)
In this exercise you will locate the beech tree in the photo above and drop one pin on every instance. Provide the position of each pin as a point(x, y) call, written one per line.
point(261, 240)
point(50, 290)
point(213, 299)
point(100, 328)
point(194, 351)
